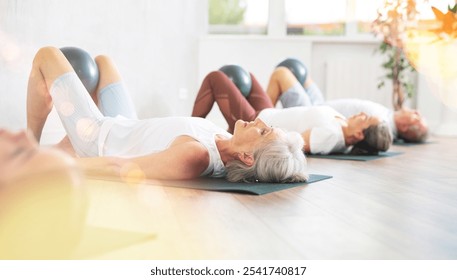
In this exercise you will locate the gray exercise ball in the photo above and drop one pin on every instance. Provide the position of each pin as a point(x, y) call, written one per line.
point(296, 67)
point(84, 66)
point(240, 77)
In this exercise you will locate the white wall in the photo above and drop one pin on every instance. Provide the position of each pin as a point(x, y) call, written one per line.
point(350, 68)
point(154, 43)
point(257, 54)
point(163, 53)
point(357, 78)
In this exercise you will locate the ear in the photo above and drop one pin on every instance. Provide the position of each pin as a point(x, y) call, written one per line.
point(402, 126)
point(246, 158)
point(358, 135)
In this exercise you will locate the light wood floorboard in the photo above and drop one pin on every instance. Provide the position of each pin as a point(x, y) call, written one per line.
point(401, 207)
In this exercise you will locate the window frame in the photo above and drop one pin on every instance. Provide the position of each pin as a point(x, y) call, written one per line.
point(277, 25)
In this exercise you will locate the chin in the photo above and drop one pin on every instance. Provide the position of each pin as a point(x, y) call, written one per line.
point(238, 124)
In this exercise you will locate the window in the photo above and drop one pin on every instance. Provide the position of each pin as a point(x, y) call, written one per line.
point(323, 17)
point(365, 14)
point(330, 17)
point(303, 17)
point(238, 16)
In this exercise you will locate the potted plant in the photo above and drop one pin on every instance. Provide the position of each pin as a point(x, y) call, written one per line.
point(392, 24)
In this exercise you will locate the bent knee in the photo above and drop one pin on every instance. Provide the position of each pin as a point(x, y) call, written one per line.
point(282, 72)
point(217, 74)
point(283, 77)
point(46, 53)
point(103, 60)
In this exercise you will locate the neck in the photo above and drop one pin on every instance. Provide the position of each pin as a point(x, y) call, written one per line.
point(224, 148)
point(345, 129)
point(396, 118)
point(346, 135)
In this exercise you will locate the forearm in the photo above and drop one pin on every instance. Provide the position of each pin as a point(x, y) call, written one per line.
point(184, 159)
point(173, 166)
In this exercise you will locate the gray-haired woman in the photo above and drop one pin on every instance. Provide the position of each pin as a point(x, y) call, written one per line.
point(157, 148)
point(322, 128)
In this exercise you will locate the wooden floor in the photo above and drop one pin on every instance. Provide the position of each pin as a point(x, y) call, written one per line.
point(401, 207)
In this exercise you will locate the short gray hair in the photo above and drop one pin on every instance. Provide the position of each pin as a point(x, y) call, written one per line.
point(414, 133)
point(377, 138)
point(279, 161)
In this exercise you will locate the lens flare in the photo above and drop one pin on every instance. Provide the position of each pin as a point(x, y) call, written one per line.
point(132, 174)
point(43, 216)
point(67, 109)
point(9, 51)
point(87, 129)
point(435, 59)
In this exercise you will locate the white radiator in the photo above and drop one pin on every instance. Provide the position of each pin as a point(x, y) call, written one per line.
point(355, 78)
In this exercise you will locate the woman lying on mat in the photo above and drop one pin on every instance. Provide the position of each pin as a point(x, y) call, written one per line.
point(161, 148)
point(323, 129)
point(406, 124)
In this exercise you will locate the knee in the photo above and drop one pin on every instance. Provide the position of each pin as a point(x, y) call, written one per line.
point(281, 73)
point(215, 78)
point(217, 75)
point(103, 60)
point(46, 54)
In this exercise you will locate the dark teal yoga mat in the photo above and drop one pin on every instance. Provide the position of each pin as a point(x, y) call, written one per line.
point(212, 184)
point(410, 144)
point(356, 157)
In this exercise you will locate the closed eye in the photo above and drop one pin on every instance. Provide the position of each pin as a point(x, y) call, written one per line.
point(266, 131)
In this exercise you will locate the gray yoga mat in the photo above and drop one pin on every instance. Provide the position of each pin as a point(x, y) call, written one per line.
point(410, 144)
point(213, 184)
point(357, 157)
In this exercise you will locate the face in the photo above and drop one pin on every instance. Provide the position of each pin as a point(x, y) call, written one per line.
point(362, 121)
point(249, 135)
point(406, 118)
point(15, 143)
point(357, 124)
point(16, 149)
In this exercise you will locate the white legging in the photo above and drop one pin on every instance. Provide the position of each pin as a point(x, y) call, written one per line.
point(80, 116)
point(297, 95)
point(114, 101)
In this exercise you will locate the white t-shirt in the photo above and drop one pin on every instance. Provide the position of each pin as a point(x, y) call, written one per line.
point(325, 123)
point(129, 138)
point(352, 106)
point(93, 134)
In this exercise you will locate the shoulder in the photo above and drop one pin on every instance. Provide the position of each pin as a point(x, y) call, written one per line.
point(190, 149)
point(196, 156)
point(327, 139)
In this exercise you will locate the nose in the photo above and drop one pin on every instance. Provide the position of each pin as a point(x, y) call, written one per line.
point(260, 123)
